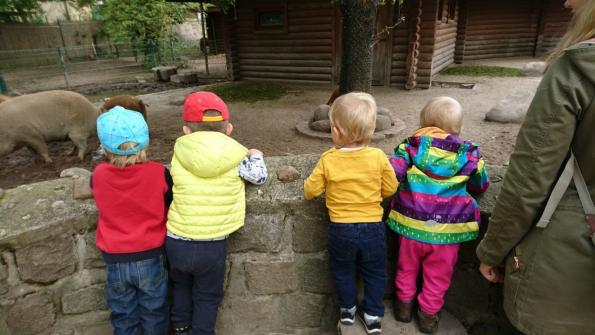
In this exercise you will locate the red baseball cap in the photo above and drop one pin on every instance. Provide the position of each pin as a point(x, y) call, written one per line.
point(198, 103)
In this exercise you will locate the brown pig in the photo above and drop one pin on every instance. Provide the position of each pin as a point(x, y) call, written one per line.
point(127, 101)
point(33, 119)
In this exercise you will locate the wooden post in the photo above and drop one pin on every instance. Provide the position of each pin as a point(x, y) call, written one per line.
point(62, 37)
point(204, 36)
point(63, 63)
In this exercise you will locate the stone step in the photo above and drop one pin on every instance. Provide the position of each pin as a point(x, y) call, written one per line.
point(448, 325)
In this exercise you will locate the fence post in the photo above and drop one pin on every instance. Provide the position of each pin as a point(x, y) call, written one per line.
point(62, 37)
point(63, 63)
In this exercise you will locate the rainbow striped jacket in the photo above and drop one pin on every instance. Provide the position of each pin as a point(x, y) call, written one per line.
point(437, 172)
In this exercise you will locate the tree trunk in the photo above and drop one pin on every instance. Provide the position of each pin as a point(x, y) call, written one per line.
point(356, 56)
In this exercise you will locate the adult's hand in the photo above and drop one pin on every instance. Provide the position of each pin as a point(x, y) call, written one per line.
point(491, 273)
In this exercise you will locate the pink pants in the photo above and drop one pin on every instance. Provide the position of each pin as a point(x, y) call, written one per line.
point(437, 262)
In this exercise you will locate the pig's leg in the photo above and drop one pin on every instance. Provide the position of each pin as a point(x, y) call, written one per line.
point(39, 145)
point(80, 141)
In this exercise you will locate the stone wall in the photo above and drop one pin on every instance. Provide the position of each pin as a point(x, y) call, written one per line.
point(52, 277)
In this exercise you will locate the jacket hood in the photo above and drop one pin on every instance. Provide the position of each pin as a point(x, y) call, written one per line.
point(582, 55)
point(442, 155)
point(208, 154)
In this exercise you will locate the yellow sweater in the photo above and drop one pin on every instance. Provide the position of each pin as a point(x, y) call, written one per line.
point(355, 181)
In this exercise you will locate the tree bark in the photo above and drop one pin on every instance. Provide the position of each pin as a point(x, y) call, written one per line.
point(356, 57)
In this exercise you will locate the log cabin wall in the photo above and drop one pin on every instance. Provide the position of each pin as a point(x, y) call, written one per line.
point(553, 25)
point(427, 42)
point(400, 47)
point(446, 35)
point(503, 28)
point(300, 48)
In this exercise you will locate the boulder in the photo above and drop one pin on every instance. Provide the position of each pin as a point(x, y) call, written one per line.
point(321, 112)
point(164, 73)
point(511, 109)
point(287, 173)
point(185, 78)
point(75, 171)
point(534, 69)
point(383, 122)
point(322, 125)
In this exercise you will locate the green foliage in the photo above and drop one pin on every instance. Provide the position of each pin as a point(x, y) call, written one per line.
point(24, 11)
point(247, 91)
point(482, 71)
point(140, 20)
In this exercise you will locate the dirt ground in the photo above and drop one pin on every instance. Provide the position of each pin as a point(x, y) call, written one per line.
point(270, 125)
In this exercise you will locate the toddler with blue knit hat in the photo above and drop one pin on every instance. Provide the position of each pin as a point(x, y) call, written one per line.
point(132, 196)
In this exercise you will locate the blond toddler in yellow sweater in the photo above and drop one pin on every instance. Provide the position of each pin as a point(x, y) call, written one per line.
point(355, 178)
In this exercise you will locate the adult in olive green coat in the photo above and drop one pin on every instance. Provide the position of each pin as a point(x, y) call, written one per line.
point(549, 279)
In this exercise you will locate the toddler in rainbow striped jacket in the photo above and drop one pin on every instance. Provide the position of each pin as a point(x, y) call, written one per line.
point(433, 210)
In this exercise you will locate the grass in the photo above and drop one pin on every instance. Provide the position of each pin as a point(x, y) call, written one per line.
point(481, 71)
point(247, 91)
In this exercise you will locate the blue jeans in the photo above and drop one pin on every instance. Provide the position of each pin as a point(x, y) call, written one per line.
point(137, 296)
point(359, 247)
point(197, 271)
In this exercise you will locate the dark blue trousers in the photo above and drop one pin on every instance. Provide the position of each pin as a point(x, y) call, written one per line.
point(359, 247)
point(197, 270)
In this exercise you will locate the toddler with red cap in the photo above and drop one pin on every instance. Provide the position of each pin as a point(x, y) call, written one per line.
point(208, 169)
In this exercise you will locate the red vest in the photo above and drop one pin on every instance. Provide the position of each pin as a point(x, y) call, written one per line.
point(132, 211)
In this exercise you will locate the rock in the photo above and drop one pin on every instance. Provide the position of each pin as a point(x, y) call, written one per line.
point(81, 188)
point(31, 315)
point(316, 276)
point(85, 300)
point(322, 125)
point(177, 101)
point(93, 258)
point(383, 122)
point(287, 173)
point(185, 78)
point(47, 261)
point(321, 112)
point(309, 230)
point(511, 109)
point(271, 276)
point(302, 309)
point(534, 69)
point(164, 73)
point(387, 113)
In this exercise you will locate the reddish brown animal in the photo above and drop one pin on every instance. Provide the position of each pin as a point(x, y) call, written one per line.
point(3, 98)
point(127, 101)
point(334, 95)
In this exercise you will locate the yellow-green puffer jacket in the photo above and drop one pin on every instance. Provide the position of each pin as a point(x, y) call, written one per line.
point(209, 199)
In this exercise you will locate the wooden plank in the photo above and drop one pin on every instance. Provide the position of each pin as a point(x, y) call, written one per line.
point(287, 56)
point(285, 69)
point(285, 49)
point(287, 62)
point(294, 76)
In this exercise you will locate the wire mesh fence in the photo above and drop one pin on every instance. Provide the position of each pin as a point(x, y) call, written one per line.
point(29, 70)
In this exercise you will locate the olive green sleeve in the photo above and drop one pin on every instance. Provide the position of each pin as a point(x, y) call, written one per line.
point(541, 148)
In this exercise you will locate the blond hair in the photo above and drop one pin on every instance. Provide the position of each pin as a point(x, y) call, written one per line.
point(218, 126)
point(442, 112)
point(581, 28)
point(354, 115)
point(128, 160)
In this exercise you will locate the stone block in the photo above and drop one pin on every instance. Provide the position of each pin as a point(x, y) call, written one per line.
point(250, 315)
point(309, 231)
point(271, 276)
point(84, 300)
point(79, 323)
point(261, 233)
point(47, 261)
point(316, 275)
point(75, 171)
point(93, 258)
point(302, 310)
point(287, 173)
point(96, 329)
point(31, 315)
point(185, 78)
point(164, 73)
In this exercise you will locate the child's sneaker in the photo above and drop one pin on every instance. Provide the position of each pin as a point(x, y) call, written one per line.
point(371, 323)
point(403, 310)
point(427, 323)
point(347, 316)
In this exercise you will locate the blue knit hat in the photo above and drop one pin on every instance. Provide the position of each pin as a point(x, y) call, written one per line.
point(120, 125)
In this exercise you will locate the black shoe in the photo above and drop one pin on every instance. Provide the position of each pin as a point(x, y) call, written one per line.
point(347, 316)
point(403, 310)
point(372, 327)
point(182, 330)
